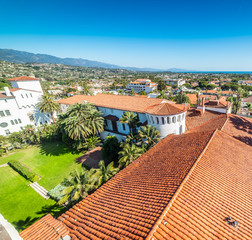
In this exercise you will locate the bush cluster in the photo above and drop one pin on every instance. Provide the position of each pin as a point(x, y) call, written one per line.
point(23, 170)
point(56, 193)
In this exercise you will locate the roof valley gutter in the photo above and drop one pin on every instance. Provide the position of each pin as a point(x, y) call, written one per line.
point(150, 235)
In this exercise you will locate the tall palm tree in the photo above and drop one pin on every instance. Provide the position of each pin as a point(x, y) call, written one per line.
point(48, 104)
point(129, 154)
point(78, 185)
point(149, 136)
point(131, 119)
point(85, 88)
point(103, 174)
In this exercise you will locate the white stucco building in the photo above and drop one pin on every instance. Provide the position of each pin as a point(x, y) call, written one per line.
point(178, 82)
point(18, 105)
point(166, 116)
point(142, 85)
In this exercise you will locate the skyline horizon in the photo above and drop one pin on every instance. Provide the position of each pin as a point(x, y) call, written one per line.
point(214, 36)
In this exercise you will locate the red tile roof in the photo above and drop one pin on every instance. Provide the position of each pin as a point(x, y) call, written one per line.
point(14, 89)
point(130, 203)
point(218, 187)
point(182, 188)
point(193, 120)
point(166, 109)
point(127, 103)
point(23, 78)
point(46, 228)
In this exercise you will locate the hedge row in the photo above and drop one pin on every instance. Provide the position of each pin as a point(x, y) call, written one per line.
point(23, 170)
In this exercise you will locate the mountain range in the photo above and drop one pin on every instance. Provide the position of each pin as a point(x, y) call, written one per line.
point(22, 57)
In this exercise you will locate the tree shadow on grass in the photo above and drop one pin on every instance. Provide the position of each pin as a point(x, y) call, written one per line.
point(23, 224)
point(55, 149)
point(55, 210)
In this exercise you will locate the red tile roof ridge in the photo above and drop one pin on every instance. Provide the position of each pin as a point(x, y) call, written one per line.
point(158, 222)
point(23, 78)
point(224, 122)
point(219, 116)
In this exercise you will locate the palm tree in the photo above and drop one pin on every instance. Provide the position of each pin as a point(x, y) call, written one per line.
point(103, 174)
point(131, 119)
point(248, 106)
point(85, 89)
point(48, 104)
point(81, 120)
point(149, 135)
point(181, 98)
point(78, 185)
point(129, 154)
point(95, 121)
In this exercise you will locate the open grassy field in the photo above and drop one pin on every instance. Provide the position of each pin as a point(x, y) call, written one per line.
point(52, 161)
point(19, 203)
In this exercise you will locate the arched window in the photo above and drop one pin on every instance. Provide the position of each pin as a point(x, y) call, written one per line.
point(179, 118)
point(162, 120)
point(174, 119)
point(168, 120)
point(183, 116)
point(157, 120)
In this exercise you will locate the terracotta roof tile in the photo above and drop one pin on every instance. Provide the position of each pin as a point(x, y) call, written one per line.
point(217, 188)
point(193, 120)
point(23, 78)
point(239, 128)
point(166, 109)
point(14, 89)
point(127, 103)
point(45, 228)
point(130, 203)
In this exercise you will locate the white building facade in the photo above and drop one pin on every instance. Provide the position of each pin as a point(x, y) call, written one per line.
point(142, 85)
point(167, 117)
point(18, 105)
point(178, 82)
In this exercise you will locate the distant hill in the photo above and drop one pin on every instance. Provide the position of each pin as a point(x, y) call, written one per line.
point(16, 56)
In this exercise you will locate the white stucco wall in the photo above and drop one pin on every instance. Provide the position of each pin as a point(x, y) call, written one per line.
point(171, 124)
point(31, 85)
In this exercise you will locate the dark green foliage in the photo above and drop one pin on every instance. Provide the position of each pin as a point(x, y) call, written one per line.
point(24, 171)
point(110, 149)
point(161, 85)
point(142, 92)
point(56, 193)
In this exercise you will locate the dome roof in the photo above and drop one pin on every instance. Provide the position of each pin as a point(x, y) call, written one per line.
point(165, 109)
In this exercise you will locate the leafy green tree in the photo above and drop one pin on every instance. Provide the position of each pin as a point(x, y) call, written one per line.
point(142, 92)
point(161, 85)
point(103, 174)
point(30, 135)
point(182, 98)
point(48, 104)
point(77, 186)
point(128, 154)
point(131, 119)
point(85, 88)
point(149, 136)
point(110, 149)
point(248, 106)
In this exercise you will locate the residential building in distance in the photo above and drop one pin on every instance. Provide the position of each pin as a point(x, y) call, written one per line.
point(166, 116)
point(142, 85)
point(247, 82)
point(178, 82)
point(18, 105)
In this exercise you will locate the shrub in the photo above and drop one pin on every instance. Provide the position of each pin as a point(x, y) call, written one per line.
point(56, 193)
point(24, 171)
point(110, 149)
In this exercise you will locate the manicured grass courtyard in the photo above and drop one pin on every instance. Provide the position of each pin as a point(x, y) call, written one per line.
point(19, 203)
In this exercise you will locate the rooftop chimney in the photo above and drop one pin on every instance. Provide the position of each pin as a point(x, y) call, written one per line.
point(7, 91)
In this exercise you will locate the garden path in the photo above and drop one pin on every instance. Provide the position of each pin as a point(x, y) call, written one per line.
point(40, 190)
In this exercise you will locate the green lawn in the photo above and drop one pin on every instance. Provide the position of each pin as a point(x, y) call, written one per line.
point(19, 203)
point(52, 161)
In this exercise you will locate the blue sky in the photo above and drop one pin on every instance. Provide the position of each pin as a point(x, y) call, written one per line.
point(196, 35)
